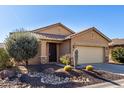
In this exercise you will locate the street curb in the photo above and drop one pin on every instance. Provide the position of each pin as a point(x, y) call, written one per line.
point(106, 84)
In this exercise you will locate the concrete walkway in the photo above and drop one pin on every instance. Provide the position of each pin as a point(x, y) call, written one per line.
point(108, 85)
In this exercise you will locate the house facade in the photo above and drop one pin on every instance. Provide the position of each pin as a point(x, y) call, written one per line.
point(88, 46)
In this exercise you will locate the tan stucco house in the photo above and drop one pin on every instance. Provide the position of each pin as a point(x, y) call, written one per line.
point(88, 46)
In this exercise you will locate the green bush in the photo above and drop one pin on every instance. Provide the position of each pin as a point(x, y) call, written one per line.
point(118, 54)
point(67, 68)
point(89, 68)
point(22, 46)
point(65, 60)
point(4, 59)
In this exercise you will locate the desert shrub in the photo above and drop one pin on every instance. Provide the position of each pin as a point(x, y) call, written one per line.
point(67, 68)
point(118, 54)
point(4, 59)
point(22, 46)
point(89, 68)
point(65, 59)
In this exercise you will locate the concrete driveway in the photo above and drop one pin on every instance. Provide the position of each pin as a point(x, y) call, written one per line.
point(107, 67)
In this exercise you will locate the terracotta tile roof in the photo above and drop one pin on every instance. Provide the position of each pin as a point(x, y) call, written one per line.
point(50, 36)
point(1, 45)
point(63, 37)
point(117, 42)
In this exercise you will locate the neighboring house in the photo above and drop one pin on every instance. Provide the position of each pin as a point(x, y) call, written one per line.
point(88, 46)
point(115, 43)
point(1, 45)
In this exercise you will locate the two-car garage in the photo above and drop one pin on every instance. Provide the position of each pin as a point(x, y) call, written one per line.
point(90, 46)
point(90, 54)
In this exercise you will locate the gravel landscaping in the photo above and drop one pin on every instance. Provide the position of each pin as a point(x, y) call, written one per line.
point(13, 84)
point(49, 78)
point(53, 76)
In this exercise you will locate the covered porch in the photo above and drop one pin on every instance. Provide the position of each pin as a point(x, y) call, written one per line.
point(49, 51)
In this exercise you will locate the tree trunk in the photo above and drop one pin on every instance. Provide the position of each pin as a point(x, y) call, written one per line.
point(26, 63)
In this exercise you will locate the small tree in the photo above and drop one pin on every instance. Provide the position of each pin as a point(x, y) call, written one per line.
point(22, 46)
point(118, 54)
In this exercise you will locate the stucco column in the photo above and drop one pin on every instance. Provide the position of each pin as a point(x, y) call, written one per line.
point(110, 58)
point(44, 58)
point(106, 55)
point(58, 53)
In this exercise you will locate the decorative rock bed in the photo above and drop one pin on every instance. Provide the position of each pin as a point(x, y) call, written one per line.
point(49, 78)
point(35, 79)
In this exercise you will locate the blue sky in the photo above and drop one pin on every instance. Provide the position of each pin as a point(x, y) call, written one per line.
point(108, 19)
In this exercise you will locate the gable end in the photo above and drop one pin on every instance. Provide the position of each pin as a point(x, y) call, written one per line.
point(57, 28)
point(92, 29)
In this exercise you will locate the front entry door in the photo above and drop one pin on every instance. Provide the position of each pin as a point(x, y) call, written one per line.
point(52, 52)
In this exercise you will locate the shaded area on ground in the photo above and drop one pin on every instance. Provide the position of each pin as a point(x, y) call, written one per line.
point(94, 74)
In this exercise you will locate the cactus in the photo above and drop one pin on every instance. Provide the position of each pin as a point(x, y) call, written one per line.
point(76, 57)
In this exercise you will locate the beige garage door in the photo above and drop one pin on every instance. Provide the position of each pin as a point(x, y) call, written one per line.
point(90, 55)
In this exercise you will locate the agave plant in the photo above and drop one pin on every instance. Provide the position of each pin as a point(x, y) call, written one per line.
point(65, 59)
point(21, 45)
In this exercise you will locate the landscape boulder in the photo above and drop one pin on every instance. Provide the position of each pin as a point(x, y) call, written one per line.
point(23, 69)
point(10, 74)
point(49, 70)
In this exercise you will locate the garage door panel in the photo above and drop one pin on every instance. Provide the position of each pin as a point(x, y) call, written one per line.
point(90, 55)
